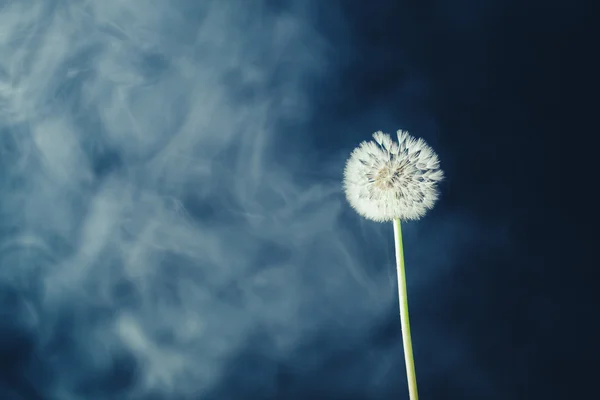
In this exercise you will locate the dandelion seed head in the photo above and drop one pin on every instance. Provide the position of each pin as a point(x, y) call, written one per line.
point(384, 179)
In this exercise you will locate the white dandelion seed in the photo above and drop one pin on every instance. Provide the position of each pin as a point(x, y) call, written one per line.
point(384, 180)
point(389, 181)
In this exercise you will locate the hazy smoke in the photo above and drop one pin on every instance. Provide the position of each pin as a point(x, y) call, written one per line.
point(144, 228)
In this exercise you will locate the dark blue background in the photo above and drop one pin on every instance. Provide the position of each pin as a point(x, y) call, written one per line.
point(172, 223)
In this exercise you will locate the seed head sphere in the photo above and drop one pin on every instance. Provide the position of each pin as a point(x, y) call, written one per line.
point(384, 180)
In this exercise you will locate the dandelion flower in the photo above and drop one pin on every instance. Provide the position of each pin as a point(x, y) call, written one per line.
point(385, 180)
point(389, 181)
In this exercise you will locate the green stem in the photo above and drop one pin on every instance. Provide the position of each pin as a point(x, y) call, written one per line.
point(404, 322)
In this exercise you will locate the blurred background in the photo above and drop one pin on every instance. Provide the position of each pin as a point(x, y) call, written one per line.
point(172, 223)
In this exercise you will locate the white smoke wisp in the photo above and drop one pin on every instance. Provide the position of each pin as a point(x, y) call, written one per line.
point(127, 232)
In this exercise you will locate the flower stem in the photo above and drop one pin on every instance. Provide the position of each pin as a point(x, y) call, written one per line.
point(404, 322)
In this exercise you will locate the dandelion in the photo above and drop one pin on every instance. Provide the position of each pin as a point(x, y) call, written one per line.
point(389, 181)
